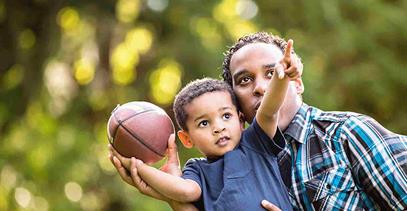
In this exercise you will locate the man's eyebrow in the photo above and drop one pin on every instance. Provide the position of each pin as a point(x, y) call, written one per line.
point(238, 74)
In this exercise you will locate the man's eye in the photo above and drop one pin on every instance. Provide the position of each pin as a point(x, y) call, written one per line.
point(203, 123)
point(244, 80)
point(269, 73)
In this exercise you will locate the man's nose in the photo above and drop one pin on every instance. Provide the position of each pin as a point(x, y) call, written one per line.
point(260, 87)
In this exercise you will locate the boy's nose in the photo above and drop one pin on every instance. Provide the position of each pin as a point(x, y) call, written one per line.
point(218, 128)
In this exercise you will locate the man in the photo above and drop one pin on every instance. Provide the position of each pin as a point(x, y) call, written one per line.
point(332, 160)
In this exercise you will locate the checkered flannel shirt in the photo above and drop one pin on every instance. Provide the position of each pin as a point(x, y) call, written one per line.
point(343, 161)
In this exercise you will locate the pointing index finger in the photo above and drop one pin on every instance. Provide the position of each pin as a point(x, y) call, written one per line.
point(287, 52)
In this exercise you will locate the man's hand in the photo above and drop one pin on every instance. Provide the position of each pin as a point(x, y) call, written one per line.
point(290, 65)
point(127, 169)
point(269, 206)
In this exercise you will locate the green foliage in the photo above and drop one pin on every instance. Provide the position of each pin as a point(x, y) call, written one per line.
point(66, 64)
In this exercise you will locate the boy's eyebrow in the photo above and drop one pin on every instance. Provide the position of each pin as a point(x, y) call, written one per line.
point(203, 115)
point(198, 118)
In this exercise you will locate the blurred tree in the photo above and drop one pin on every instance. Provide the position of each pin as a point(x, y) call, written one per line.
point(66, 64)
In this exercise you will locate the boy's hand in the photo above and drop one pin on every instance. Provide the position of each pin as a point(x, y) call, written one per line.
point(131, 177)
point(290, 65)
point(172, 165)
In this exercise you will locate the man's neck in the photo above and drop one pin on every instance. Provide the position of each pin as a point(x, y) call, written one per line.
point(287, 114)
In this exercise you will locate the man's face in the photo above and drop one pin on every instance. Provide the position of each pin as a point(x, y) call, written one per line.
point(251, 69)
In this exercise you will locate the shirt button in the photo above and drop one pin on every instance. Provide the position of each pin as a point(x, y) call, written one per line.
point(328, 186)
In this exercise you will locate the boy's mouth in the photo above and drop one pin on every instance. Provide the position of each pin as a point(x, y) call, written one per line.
point(222, 141)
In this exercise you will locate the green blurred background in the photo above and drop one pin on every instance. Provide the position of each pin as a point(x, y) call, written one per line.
point(66, 64)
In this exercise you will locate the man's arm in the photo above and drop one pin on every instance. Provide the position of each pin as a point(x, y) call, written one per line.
point(379, 161)
point(288, 69)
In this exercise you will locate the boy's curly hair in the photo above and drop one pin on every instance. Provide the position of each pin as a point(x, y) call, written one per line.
point(193, 90)
point(258, 37)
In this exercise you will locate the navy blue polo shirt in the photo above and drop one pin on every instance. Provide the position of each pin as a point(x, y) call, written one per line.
point(243, 177)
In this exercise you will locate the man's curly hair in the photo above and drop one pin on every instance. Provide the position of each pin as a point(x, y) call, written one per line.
point(193, 90)
point(258, 37)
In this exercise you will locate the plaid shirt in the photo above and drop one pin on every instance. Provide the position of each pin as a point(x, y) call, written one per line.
point(343, 161)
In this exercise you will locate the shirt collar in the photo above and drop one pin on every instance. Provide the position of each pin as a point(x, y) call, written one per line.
point(298, 126)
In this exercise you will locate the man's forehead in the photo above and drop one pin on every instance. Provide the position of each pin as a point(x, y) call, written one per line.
point(263, 54)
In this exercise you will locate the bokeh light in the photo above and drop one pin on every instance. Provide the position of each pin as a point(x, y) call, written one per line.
point(73, 191)
point(22, 196)
point(127, 10)
point(246, 9)
point(27, 39)
point(208, 32)
point(123, 61)
point(60, 85)
point(13, 77)
point(165, 81)
point(139, 39)
point(84, 71)
point(68, 18)
point(8, 177)
point(157, 5)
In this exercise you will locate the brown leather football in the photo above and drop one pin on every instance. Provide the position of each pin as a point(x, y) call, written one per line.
point(141, 130)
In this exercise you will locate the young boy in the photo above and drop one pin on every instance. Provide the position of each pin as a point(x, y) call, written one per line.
point(240, 168)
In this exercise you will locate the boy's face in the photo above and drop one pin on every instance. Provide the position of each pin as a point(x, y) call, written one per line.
point(251, 68)
point(213, 124)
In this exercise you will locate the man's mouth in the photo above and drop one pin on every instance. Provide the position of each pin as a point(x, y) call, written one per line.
point(223, 141)
point(257, 106)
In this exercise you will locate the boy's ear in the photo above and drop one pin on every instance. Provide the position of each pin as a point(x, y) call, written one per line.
point(241, 119)
point(185, 139)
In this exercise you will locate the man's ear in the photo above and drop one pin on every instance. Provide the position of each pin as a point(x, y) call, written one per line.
point(299, 86)
point(185, 139)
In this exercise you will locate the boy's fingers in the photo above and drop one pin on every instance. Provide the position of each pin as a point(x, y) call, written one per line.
point(287, 52)
point(138, 182)
point(172, 150)
point(280, 71)
point(292, 72)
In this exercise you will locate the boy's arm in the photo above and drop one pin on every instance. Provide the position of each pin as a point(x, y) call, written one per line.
point(267, 114)
point(170, 186)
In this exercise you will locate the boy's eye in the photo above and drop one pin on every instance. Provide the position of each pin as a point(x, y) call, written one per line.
point(203, 123)
point(227, 116)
